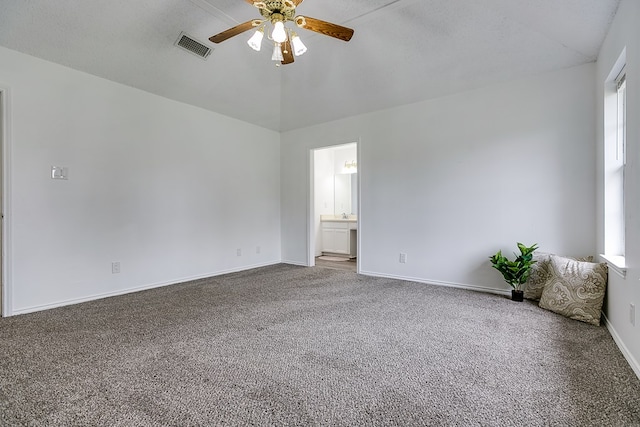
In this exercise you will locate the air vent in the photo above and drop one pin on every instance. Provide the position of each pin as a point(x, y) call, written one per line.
point(191, 45)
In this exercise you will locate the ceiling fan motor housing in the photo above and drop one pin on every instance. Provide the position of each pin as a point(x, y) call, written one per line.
point(275, 9)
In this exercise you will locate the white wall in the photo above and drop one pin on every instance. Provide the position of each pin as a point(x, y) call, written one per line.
point(169, 190)
point(624, 32)
point(452, 180)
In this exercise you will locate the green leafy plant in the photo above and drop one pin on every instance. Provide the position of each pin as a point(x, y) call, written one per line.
point(515, 272)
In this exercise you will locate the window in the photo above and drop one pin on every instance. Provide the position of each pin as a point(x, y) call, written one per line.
point(615, 161)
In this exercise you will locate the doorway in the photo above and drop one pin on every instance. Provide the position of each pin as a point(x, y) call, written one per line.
point(2, 157)
point(334, 222)
point(5, 297)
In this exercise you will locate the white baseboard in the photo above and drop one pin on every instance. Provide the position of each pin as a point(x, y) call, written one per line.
point(440, 283)
point(623, 348)
point(72, 301)
point(301, 264)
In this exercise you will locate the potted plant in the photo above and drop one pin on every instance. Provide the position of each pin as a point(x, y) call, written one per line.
point(515, 272)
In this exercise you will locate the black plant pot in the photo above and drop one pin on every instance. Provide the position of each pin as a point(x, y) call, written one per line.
point(517, 295)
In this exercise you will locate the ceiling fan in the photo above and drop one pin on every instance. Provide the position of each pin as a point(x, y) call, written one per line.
point(286, 41)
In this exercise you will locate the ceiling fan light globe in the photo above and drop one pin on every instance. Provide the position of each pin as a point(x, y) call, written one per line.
point(277, 53)
point(279, 35)
point(298, 47)
point(255, 42)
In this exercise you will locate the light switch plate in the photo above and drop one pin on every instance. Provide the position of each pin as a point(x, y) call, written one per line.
point(59, 172)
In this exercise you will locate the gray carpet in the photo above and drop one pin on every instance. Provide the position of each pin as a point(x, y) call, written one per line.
point(286, 345)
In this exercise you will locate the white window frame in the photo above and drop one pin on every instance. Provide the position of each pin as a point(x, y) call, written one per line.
point(614, 168)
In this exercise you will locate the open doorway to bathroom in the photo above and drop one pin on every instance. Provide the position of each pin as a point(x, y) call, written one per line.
point(334, 214)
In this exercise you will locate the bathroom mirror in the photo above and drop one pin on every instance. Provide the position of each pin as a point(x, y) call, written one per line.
point(346, 193)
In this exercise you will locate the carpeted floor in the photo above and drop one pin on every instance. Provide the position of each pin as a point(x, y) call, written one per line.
point(286, 345)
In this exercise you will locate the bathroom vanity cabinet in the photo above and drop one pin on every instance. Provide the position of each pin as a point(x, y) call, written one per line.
point(339, 237)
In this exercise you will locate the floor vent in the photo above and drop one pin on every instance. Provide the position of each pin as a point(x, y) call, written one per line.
point(191, 45)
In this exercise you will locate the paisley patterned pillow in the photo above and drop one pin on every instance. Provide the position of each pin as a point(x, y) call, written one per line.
point(538, 277)
point(575, 289)
point(534, 285)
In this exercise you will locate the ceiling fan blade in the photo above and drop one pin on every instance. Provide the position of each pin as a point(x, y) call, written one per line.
point(323, 27)
point(238, 29)
point(287, 53)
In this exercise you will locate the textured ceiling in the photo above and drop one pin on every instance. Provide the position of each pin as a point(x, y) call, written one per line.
point(403, 50)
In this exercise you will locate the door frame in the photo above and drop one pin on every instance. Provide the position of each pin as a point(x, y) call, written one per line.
point(311, 237)
point(6, 306)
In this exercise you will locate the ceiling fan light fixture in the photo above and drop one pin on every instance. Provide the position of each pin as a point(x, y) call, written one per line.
point(275, 15)
point(277, 53)
point(279, 34)
point(298, 47)
point(255, 42)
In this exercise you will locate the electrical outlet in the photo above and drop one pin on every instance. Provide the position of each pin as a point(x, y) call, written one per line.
point(632, 314)
point(403, 258)
point(115, 267)
point(59, 172)
point(257, 249)
point(239, 252)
